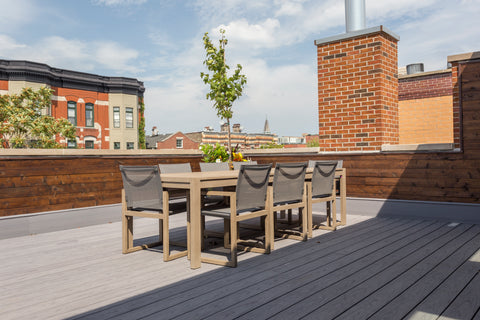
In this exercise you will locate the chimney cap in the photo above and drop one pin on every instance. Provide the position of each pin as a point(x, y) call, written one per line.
point(355, 34)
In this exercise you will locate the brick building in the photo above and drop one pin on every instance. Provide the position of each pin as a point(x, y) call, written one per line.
point(425, 107)
point(105, 110)
point(193, 140)
point(171, 141)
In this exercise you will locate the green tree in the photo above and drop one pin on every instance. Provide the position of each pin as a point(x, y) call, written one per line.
point(313, 143)
point(272, 145)
point(224, 89)
point(22, 124)
point(141, 126)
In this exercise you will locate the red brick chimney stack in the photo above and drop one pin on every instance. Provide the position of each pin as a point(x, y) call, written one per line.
point(358, 90)
point(357, 85)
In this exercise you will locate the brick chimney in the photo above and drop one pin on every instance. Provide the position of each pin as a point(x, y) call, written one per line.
point(358, 88)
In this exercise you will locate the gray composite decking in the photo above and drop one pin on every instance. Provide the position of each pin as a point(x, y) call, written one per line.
point(374, 268)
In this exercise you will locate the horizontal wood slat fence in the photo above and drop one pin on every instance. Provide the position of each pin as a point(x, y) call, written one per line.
point(30, 183)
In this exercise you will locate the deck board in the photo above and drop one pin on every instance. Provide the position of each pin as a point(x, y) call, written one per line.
point(383, 268)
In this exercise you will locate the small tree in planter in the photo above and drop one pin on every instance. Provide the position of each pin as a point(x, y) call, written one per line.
point(224, 89)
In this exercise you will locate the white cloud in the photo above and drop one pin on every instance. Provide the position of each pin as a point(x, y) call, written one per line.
point(289, 7)
point(73, 54)
point(285, 94)
point(439, 39)
point(8, 44)
point(242, 34)
point(116, 57)
point(118, 2)
point(14, 14)
point(222, 11)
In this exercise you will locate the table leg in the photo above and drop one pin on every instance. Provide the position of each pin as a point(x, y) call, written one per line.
point(308, 189)
point(195, 225)
point(343, 199)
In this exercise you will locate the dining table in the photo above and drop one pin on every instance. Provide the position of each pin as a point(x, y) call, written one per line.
point(194, 182)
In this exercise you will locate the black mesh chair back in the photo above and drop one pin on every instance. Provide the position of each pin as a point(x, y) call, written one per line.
point(252, 187)
point(143, 187)
point(323, 178)
point(238, 164)
point(174, 167)
point(311, 163)
point(289, 182)
point(213, 166)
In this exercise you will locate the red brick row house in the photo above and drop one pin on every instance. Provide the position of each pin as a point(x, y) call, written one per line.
point(104, 110)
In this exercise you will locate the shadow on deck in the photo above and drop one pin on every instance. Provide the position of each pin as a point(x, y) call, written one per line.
point(379, 269)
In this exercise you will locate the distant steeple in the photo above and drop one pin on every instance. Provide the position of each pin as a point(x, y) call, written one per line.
point(266, 127)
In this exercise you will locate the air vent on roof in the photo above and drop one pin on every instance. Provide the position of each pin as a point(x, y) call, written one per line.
point(414, 68)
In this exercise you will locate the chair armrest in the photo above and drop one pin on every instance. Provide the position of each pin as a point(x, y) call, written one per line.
point(219, 193)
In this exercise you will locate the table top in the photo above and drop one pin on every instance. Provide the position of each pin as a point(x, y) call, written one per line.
point(228, 176)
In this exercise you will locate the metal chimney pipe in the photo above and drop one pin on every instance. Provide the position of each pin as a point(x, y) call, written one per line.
point(355, 15)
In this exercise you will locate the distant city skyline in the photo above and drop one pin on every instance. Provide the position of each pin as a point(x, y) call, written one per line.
point(160, 43)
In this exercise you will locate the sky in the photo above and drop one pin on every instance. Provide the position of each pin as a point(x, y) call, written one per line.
point(159, 42)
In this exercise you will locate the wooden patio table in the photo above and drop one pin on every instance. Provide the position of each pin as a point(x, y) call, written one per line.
point(194, 182)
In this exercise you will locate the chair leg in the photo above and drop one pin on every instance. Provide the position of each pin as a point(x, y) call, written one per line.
point(189, 231)
point(233, 242)
point(226, 233)
point(166, 238)
point(275, 221)
point(160, 230)
point(334, 213)
point(127, 233)
point(202, 226)
point(329, 214)
point(269, 231)
point(302, 214)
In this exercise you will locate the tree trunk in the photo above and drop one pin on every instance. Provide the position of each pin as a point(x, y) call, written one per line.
point(230, 151)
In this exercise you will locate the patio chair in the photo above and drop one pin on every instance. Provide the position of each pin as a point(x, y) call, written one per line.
point(176, 194)
point(311, 164)
point(143, 196)
point(238, 164)
point(289, 193)
point(323, 190)
point(213, 166)
point(250, 200)
point(174, 167)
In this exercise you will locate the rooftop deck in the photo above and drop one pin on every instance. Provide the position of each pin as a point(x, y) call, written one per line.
point(379, 268)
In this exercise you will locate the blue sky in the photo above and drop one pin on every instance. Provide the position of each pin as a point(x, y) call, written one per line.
point(160, 43)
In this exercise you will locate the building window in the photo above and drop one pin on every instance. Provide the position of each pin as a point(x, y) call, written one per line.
point(179, 143)
point(89, 144)
point(116, 145)
point(72, 112)
point(129, 117)
point(71, 144)
point(130, 145)
point(89, 119)
point(116, 117)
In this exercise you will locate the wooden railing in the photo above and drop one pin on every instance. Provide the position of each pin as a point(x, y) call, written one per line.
point(61, 180)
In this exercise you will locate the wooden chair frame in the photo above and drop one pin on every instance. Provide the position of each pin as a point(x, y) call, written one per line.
point(331, 206)
point(164, 235)
point(231, 231)
point(303, 218)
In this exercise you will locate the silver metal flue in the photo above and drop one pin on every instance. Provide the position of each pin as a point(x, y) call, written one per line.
point(355, 15)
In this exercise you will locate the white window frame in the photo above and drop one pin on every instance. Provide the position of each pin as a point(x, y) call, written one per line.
point(179, 143)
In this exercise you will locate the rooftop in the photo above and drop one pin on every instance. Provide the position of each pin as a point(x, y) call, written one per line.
point(383, 268)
